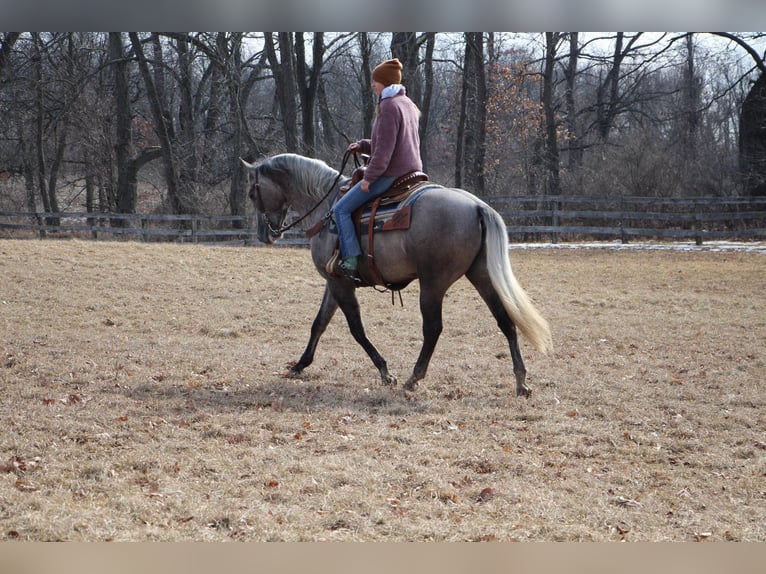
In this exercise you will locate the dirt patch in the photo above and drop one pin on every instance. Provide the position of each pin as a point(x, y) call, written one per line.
point(144, 398)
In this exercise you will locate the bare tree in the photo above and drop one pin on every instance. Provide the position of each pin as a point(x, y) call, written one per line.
point(573, 125)
point(469, 161)
point(551, 142)
point(282, 64)
point(752, 121)
point(162, 125)
point(127, 164)
point(7, 40)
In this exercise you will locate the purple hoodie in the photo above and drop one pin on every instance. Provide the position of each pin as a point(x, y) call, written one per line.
point(395, 144)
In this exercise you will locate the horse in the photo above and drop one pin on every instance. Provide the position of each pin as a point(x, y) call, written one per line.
point(452, 234)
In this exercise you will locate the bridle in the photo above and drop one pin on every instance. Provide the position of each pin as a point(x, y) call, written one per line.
point(261, 207)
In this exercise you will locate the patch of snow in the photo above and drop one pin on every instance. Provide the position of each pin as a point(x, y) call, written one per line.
point(712, 246)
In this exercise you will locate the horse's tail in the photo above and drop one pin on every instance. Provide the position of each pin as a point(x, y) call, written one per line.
point(515, 300)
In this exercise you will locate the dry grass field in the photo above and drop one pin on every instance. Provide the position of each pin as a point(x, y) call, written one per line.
point(144, 398)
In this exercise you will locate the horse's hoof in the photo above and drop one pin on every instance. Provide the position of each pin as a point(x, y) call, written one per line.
point(411, 385)
point(523, 391)
point(294, 373)
point(389, 380)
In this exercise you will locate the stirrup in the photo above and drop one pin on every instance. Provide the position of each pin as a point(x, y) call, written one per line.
point(333, 264)
point(335, 268)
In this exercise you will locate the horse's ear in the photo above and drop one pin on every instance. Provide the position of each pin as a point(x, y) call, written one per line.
point(247, 165)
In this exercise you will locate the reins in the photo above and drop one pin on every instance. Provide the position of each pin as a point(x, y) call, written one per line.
point(284, 228)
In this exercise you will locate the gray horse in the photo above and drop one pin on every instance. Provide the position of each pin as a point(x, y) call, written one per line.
point(452, 233)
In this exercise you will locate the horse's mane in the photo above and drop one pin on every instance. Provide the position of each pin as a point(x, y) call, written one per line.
point(306, 176)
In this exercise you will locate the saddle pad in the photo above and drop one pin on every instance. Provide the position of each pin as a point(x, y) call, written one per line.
point(394, 213)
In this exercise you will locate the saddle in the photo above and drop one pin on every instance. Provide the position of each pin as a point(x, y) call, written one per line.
point(402, 188)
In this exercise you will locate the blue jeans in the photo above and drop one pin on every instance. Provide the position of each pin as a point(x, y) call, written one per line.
point(346, 205)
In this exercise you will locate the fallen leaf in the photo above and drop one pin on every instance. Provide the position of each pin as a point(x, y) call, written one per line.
point(184, 519)
point(25, 485)
point(271, 484)
point(486, 495)
point(627, 502)
point(236, 438)
point(448, 496)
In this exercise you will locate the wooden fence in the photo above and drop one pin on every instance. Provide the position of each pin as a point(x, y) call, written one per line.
point(562, 218)
point(528, 218)
point(146, 227)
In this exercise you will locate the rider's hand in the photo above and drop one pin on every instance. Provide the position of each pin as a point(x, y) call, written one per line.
point(365, 186)
point(354, 147)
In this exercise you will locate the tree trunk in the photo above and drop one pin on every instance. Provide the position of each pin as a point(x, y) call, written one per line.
point(752, 139)
point(406, 47)
point(308, 85)
point(551, 147)
point(127, 197)
point(283, 69)
point(6, 45)
point(575, 151)
point(425, 105)
point(50, 202)
point(161, 126)
point(473, 115)
point(368, 101)
point(186, 142)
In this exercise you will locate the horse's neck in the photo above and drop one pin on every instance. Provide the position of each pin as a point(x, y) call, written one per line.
point(303, 203)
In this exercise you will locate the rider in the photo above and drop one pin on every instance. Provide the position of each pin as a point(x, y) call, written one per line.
point(394, 151)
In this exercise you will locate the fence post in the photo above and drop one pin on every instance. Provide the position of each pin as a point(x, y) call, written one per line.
point(697, 225)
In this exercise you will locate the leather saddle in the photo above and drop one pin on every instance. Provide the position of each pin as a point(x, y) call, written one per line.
point(400, 190)
point(401, 186)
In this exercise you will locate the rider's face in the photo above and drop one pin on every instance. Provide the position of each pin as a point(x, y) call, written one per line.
point(377, 87)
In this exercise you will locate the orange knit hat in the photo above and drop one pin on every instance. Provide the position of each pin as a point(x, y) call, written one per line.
point(388, 72)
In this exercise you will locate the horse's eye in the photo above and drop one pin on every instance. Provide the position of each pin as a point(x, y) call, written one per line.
point(251, 195)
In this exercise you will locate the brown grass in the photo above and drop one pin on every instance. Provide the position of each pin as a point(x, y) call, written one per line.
point(144, 398)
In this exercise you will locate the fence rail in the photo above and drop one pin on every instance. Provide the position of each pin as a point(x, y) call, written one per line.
point(560, 218)
point(147, 227)
point(528, 218)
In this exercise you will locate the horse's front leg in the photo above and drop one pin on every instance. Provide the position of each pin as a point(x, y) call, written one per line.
point(344, 293)
point(324, 316)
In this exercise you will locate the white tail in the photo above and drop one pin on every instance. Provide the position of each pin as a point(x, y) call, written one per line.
point(515, 300)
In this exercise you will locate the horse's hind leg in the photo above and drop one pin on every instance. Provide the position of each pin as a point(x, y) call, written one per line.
point(431, 309)
point(484, 286)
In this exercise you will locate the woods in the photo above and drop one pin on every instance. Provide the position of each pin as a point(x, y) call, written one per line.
point(156, 122)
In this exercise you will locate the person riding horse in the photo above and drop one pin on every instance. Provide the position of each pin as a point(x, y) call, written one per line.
point(394, 150)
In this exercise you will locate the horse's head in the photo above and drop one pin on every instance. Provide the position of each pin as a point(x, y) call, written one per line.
point(269, 199)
